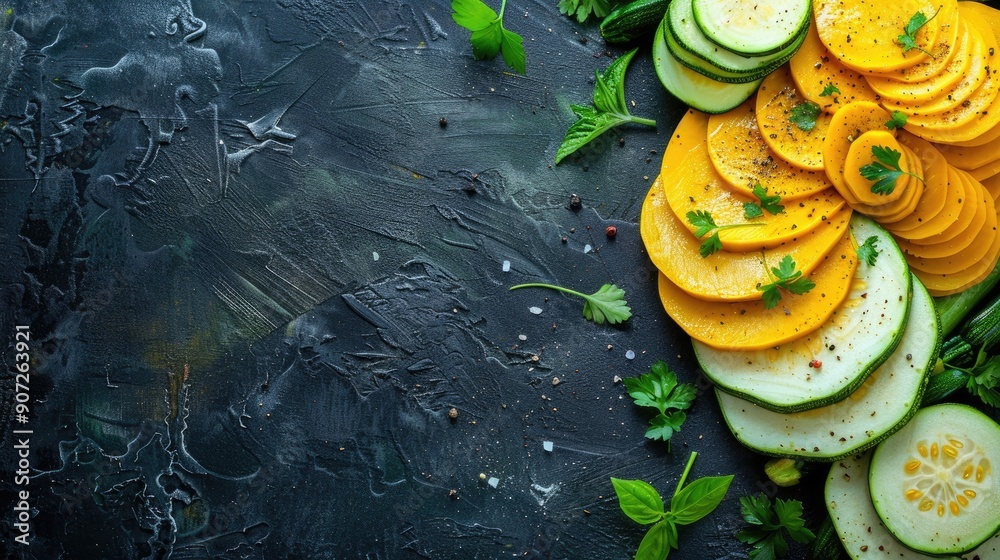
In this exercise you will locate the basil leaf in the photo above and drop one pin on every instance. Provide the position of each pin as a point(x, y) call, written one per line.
point(591, 124)
point(698, 499)
point(659, 539)
point(639, 500)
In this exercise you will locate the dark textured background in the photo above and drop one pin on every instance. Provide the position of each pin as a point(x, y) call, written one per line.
point(258, 273)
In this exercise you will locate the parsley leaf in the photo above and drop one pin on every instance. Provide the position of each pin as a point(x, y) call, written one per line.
point(771, 203)
point(830, 89)
point(786, 278)
point(606, 304)
point(705, 224)
point(582, 9)
point(908, 39)
point(867, 251)
point(898, 120)
point(768, 526)
point(489, 37)
point(984, 382)
point(659, 389)
point(804, 115)
point(644, 505)
point(609, 109)
point(885, 171)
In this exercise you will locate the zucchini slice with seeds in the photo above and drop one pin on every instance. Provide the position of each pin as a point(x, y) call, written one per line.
point(858, 526)
point(934, 483)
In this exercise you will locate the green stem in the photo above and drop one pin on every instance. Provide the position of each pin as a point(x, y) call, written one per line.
point(642, 121)
point(503, 4)
point(549, 286)
point(684, 475)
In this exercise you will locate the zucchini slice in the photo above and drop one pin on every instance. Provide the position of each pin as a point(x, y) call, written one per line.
point(934, 483)
point(858, 525)
point(752, 28)
point(680, 24)
point(879, 407)
point(828, 365)
point(694, 89)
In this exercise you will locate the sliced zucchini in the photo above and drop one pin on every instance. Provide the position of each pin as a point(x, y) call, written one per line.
point(704, 67)
point(694, 89)
point(879, 407)
point(829, 364)
point(681, 24)
point(934, 483)
point(752, 28)
point(858, 525)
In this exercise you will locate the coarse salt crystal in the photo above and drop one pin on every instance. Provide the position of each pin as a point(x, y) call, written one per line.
point(587, 248)
point(493, 481)
point(629, 355)
point(535, 310)
point(547, 445)
point(506, 266)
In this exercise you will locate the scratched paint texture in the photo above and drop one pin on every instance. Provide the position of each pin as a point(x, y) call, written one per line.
point(259, 272)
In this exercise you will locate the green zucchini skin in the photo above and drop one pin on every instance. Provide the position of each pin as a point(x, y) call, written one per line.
point(827, 545)
point(633, 20)
point(979, 333)
point(941, 385)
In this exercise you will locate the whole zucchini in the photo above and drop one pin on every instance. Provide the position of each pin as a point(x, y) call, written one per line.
point(980, 333)
point(633, 20)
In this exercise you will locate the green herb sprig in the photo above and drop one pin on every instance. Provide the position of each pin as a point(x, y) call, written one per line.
point(489, 37)
point(830, 89)
point(908, 39)
point(868, 251)
point(690, 503)
point(786, 278)
point(896, 120)
point(804, 115)
point(885, 171)
point(609, 109)
point(769, 202)
point(583, 9)
point(708, 230)
point(769, 524)
point(606, 304)
point(659, 389)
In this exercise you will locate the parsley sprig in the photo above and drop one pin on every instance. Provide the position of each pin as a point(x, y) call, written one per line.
point(868, 251)
point(804, 115)
point(885, 171)
point(641, 502)
point(896, 120)
point(768, 525)
point(908, 39)
point(606, 304)
point(785, 278)
point(708, 230)
point(489, 37)
point(830, 89)
point(659, 389)
point(769, 202)
point(609, 109)
point(583, 9)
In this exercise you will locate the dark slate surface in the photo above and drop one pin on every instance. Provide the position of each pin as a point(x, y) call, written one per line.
point(258, 273)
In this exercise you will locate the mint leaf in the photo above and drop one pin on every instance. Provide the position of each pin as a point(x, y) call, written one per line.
point(609, 109)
